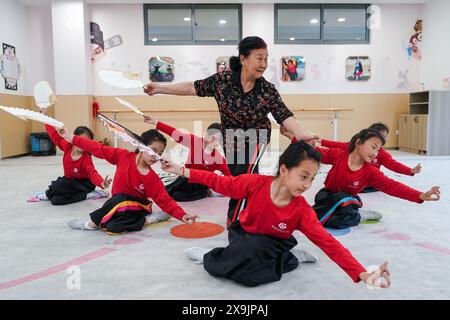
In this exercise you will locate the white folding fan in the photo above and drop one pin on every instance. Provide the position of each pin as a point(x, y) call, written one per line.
point(130, 106)
point(126, 135)
point(33, 115)
point(44, 95)
point(121, 79)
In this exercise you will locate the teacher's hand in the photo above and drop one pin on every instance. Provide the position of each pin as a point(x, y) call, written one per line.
point(152, 88)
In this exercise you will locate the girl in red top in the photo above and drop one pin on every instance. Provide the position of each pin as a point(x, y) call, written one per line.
point(80, 176)
point(382, 159)
point(203, 155)
point(337, 204)
point(129, 209)
point(261, 239)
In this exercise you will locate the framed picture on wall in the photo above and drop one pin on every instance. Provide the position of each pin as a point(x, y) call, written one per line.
point(161, 69)
point(222, 64)
point(9, 67)
point(358, 68)
point(293, 68)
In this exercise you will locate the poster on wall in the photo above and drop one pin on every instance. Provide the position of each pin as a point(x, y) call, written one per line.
point(161, 69)
point(10, 67)
point(223, 64)
point(293, 68)
point(98, 45)
point(358, 68)
point(414, 43)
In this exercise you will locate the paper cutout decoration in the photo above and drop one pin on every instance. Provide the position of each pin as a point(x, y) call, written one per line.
point(98, 45)
point(26, 114)
point(293, 68)
point(43, 95)
point(358, 68)
point(130, 106)
point(121, 79)
point(10, 68)
point(161, 69)
point(126, 135)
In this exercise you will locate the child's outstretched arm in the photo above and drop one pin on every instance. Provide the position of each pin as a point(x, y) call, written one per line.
point(387, 161)
point(95, 177)
point(310, 226)
point(399, 190)
point(334, 144)
point(235, 187)
point(93, 147)
point(59, 141)
point(185, 139)
point(167, 204)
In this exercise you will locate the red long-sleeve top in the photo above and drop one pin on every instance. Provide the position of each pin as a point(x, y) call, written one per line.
point(382, 159)
point(341, 178)
point(262, 216)
point(82, 168)
point(128, 180)
point(197, 158)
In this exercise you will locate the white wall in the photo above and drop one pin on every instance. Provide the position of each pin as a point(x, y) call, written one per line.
point(13, 31)
point(40, 40)
point(70, 48)
point(436, 40)
point(387, 51)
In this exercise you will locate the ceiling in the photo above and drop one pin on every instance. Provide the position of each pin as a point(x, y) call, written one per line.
point(46, 2)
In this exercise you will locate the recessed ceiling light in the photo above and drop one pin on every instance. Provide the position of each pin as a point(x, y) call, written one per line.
point(222, 39)
point(292, 38)
point(222, 21)
point(314, 21)
point(187, 19)
point(342, 20)
point(155, 39)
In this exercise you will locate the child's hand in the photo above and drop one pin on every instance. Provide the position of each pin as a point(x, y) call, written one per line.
point(416, 169)
point(63, 132)
point(428, 196)
point(189, 219)
point(170, 167)
point(105, 184)
point(374, 279)
point(148, 119)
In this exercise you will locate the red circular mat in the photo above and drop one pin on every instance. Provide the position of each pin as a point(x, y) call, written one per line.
point(197, 230)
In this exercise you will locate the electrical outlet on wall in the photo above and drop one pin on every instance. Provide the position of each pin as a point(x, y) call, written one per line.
point(396, 132)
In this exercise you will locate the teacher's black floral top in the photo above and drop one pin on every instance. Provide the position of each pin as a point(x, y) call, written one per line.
point(239, 110)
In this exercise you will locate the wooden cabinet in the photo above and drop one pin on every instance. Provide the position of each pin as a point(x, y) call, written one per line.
point(425, 128)
point(404, 131)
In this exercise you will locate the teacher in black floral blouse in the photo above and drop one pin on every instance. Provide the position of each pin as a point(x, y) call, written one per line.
point(244, 99)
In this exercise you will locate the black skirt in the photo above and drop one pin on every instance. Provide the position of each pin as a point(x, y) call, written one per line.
point(181, 190)
point(122, 213)
point(251, 259)
point(65, 191)
point(337, 210)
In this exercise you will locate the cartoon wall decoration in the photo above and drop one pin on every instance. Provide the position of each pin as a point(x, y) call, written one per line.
point(293, 68)
point(10, 68)
point(358, 68)
point(415, 42)
point(98, 45)
point(161, 69)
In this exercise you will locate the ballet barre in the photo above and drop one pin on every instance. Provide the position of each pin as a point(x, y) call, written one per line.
point(334, 110)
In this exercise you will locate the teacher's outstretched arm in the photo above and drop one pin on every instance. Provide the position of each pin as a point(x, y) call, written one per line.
point(180, 89)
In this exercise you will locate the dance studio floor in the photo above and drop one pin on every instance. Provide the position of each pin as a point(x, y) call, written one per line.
point(42, 258)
